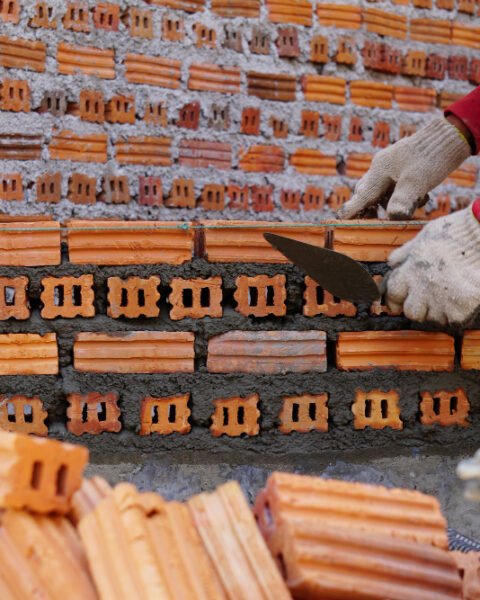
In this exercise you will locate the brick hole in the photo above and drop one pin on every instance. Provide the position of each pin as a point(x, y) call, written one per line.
point(225, 416)
point(368, 408)
point(124, 297)
point(436, 405)
point(9, 295)
point(453, 405)
point(141, 298)
point(187, 298)
point(61, 481)
point(11, 412)
point(319, 295)
point(270, 295)
point(253, 296)
point(205, 297)
point(36, 477)
point(77, 295)
point(172, 413)
point(241, 415)
point(154, 414)
point(312, 411)
point(102, 411)
point(27, 413)
point(295, 412)
point(59, 295)
point(384, 408)
point(85, 412)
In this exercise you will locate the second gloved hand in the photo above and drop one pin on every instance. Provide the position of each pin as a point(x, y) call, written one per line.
point(436, 276)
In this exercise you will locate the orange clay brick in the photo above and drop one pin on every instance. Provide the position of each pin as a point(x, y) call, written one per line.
point(54, 102)
point(43, 17)
point(261, 295)
point(214, 78)
point(262, 198)
point(304, 413)
point(20, 414)
point(87, 498)
point(236, 8)
point(182, 194)
point(92, 106)
point(28, 354)
point(82, 189)
point(22, 54)
point(11, 187)
point(14, 298)
point(133, 297)
point(290, 11)
point(49, 187)
point(371, 94)
point(115, 189)
point(250, 124)
point(200, 154)
point(236, 416)
point(471, 350)
point(332, 125)
point(415, 63)
point(141, 22)
point(173, 29)
point(432, 31)
point(190, 6)
point(67, 297)
point(290, 199)
point(38, 474)
point(21, 146)
point(346, 53)
point(464, 176)
point(213, 196)
point(38, 246)
point(381, 134)
point(467, 6)
point(67, 145)
point(76, 17)
point(376, 409)
point(86, 59)
point(165, 415)
point(279, 127)
point(309, 123)
point(152, 70)
point(260, 42)
point(465, 35)
point(238, 196)
point(401, 350)
point(271, 86)
point(93, 413)
point(189, 116)
point(206, 36)
point(15, 95)
point(269, 159)
point(356, 130)
point(446, 98)
point(321, 302)
point(144, 150)
point(319, 49)
point(444, 408)
point(313, 198)
point(134, 352)
point(10, 11)
point(313, 162)
point(340, 194)
point(344, 16)
point(415, 99)
point(324, 88)
point(106, 16)
point(195, 298)
point(379, 307)
point(156, 113)
point(287, 42)
point(385, 23)
point(150, 191)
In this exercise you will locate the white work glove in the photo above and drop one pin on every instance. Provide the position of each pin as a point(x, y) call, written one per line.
point(414, 165)
point(469, 471)
point(436, 276)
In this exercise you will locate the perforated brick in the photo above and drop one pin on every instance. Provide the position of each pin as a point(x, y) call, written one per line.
point(340, 194)
point(219, 118)
point(206, 37)
point(150, 191)
point(260, 42)
point(444, 408)
point(116, 189)
point(381, 134)
point(313, 198)
point(236, 416)
point(165, 415)
point(67, 297)
point(279, 127)
point(287, 42)
point(376, 409)
point(173, 29)
point(346, 54)
point(195, 298)
point(156, 113)
point(133, 297)
point(93, 413)
point(15, 95)
point(10, 11)
point(43, 16)
point(11, 186)
point(92, 106)
point(49, 187)
point(261, 295)
point(356, 130)
point(82, 189)
point(436, 66)
point(415, 63)
point(189, 116)
point(262, 198)
point(332, 125)
point(304, 413)
point(250, 121)
point(182, 194)
point(309, 123)
point(120, 109)
point(319, 49)
point(106, 16)
point(238, 196)
point(76, 17)
point(14, 298)
point(321, 302)
point(458, 68)
point(213, 196)
point(23, 415)
point(141, 22)
point(474, 75)
point(54, 102)
point(290, 199)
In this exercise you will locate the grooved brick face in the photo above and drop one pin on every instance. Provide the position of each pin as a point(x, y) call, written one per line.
point(214, 78)
point(121, 109)
point(22, 54)
point(201, 154)
point(86, 59)
point(133, 297)
point(261, 295)
point(93, 413)
point(321, 302)
point(165, 415)
point(304, 413)
point(290, 11)
point(92, 106)
point(23, 415)
point(236, 416)
point(28, 354)
point(40, 246)
point(13, 298)
point(269, 86)
point(196, 298)
point(376, 409)
point(262, 159)
point(67, 297)
point(67, 145)
point(445, 408)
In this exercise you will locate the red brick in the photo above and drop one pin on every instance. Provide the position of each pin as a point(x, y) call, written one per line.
point(22, 54)
point(236, 416)
point(271, 86)
point(144, 150)
point(313, 162)
point(474, 75)
point(467, 6)
point(43, 16)
point(262, 198)
point(338, 197)
point(93, 413)
point(13, 298)
point(379, 307)
point(189, 115)
point(381, 134)
point(219, 118)
point(385, 23)
point(195, 298)
point(313, 198)
point(173, 29)
point(444, 408)
point(116, 189)
point(141, 22)
point(156, 113)
point(262, 159)
point(346, 53)
point(76, 17)
point(357, 164)
point(150, 191)
point(239, 196)
point(458, 68)
point(304, 413)
point(82, 189)
point(165, 415)
point(332, 127)
point(260, 42)
point(376, 409)
point(321, 302)
point(67, 145)
point(309, 123)
point(236, 8)
point(446, 4)
point(373, 55)
point(15, 95)
point(92, 106)
point(261, 295)
point(120, 109)
point(213, 196)
point(415, 99)
point(106, 16)
point(10, 11)
point(54, 102)
point(415, 63)
point(133, 297)
point(206, 36)
point(356, 130)
point(67, 297)
point(290, 199)
point(200, 154)
point(319, 49)
point(182, 194)
point(23, 415)
point(11, 187)
point(49, 187)
point(269, 352)
point(279, 127)
point(214, 78)
point(287, 42)
point(250, 121)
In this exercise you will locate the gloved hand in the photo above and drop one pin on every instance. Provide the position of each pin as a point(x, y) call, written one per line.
point(436, 276)
point(415, 165)
point(469, 470)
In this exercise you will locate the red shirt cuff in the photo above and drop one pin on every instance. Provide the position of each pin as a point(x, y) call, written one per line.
point(467, 109)
point(476, 209)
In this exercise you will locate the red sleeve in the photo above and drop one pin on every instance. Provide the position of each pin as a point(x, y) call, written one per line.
point(467, 109)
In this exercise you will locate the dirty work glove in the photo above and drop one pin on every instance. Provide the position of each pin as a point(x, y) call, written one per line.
point(469, 471)
point(436, 276)
point(414, 165)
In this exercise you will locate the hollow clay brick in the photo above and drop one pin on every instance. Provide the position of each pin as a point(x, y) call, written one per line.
point(236, 416)
point(332, 125)
point(415, 99)
point(321, 302)
point(287, 42)
point(28, 354)
point(120, 109)
point(219, 118)
point(250, 124)
point(471, 350)
point(340, 194)
point(259, 159)
point(22, 54)
point(271, 86)
point(371, 94)
point(39, 246)
point(190, 6)
point(267, 352)
point(156, 113)
point(304, 413)
point(458, 68)
point(356, 130)
point(206, 36)
point(261, 295)
point(290, 199)
point(165, 415)
point(260, 42)
point(313, 162)
point(67, 145)
point(11, 187)
point(262, 198)
point(324, 88)
point(415, 63)
point(106, 16)
point(152, 70)
point(401, 350)
point(344, 16)
point(141, 22)
point(468, 567)
point(233, 38)
point(238, 196)
point(379, 307)
point(376, 409)
point(290, 11)
point(173, 29)
point(54, 102)
point(309, 123)
point(381, 134)
point(346, 54)
point(49, 187)
point(134, 352)
point(313, 198)
point(43, 16)
point(86, 59)
point(189, 115)
point(214, 78)
point(133, 297)
point(279, 127)
point(385, 23)
point(76, 17)
point(144, 150)
point(432, 31)
point(436, 66)
point(87, 498)
point(236, 8)
point(15, 95)
point(357, 164)
point(319, 49)
point(10, 11)
point(93, 413)
point(82, 189)
point(195, 298)
point(67, 297)
point(200, 154)
point(445, 408)
point(92, 106)
point(115, 189)
point(182, 194)
point(467, 6)
point(20, 414)
point(14, 298)
point(150, 191)
point(465, 35)
point(445, 98)
point(38, 474)
point(21, 146)
point(213, 196)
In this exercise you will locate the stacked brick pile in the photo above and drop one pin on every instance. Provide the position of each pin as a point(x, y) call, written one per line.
point(254, 106)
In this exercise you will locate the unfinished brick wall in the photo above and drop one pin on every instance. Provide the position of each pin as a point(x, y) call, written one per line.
point(160, 108)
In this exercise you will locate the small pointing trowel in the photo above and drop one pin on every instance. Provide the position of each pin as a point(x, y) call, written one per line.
point(340, 275)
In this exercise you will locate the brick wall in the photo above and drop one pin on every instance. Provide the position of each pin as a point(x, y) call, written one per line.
point(169, 108)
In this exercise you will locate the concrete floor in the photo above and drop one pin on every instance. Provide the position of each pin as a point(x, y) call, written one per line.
point(429, 473)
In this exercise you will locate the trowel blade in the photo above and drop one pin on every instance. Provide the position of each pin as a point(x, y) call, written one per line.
point(340, 275)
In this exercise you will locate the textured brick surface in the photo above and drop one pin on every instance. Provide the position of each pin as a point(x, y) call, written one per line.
point(321, 302)
point(28, 354)
point(195, 298)
point(445, 408)
point(67, 297)
point(133, 297)
point(23, 415)
point(304, 413)
point(261, 296)
point(236, 416)
point(376, 409)
point(93, 413)
point(14, 302)
point(165, 415)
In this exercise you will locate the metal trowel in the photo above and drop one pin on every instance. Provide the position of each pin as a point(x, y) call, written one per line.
point(340, 275)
